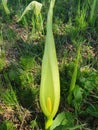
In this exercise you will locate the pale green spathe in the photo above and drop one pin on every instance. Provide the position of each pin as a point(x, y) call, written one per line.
point(50, 85)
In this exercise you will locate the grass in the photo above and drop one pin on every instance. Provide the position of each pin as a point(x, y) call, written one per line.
point(21, 61)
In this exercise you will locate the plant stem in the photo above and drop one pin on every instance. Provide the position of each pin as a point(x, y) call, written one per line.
point(74, 76)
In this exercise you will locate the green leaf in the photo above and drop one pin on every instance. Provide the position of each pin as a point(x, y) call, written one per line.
point(4, 2)
point(92, 11)
point(9, 96)
point(64, 119)
point(78, 93)
point(6, 125)
point(59, 120)
point(93, 110)
point(77, 96)
point(2, 64)
point(35, 6)
point(74, 75)
point(33, 124)
point(27, 62)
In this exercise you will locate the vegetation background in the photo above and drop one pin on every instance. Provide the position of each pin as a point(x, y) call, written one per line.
point(75, 24)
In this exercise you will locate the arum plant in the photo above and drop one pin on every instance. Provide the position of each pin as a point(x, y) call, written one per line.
point(4, 2)
point(36, 16)
point(50, 84)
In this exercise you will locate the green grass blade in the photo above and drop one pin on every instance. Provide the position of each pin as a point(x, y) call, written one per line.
point(74, 76)
point(4, 2)
point(92, 10)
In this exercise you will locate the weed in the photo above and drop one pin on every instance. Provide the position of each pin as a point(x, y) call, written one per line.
point(6, 125)
point(4, 2)
point(74, 76)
